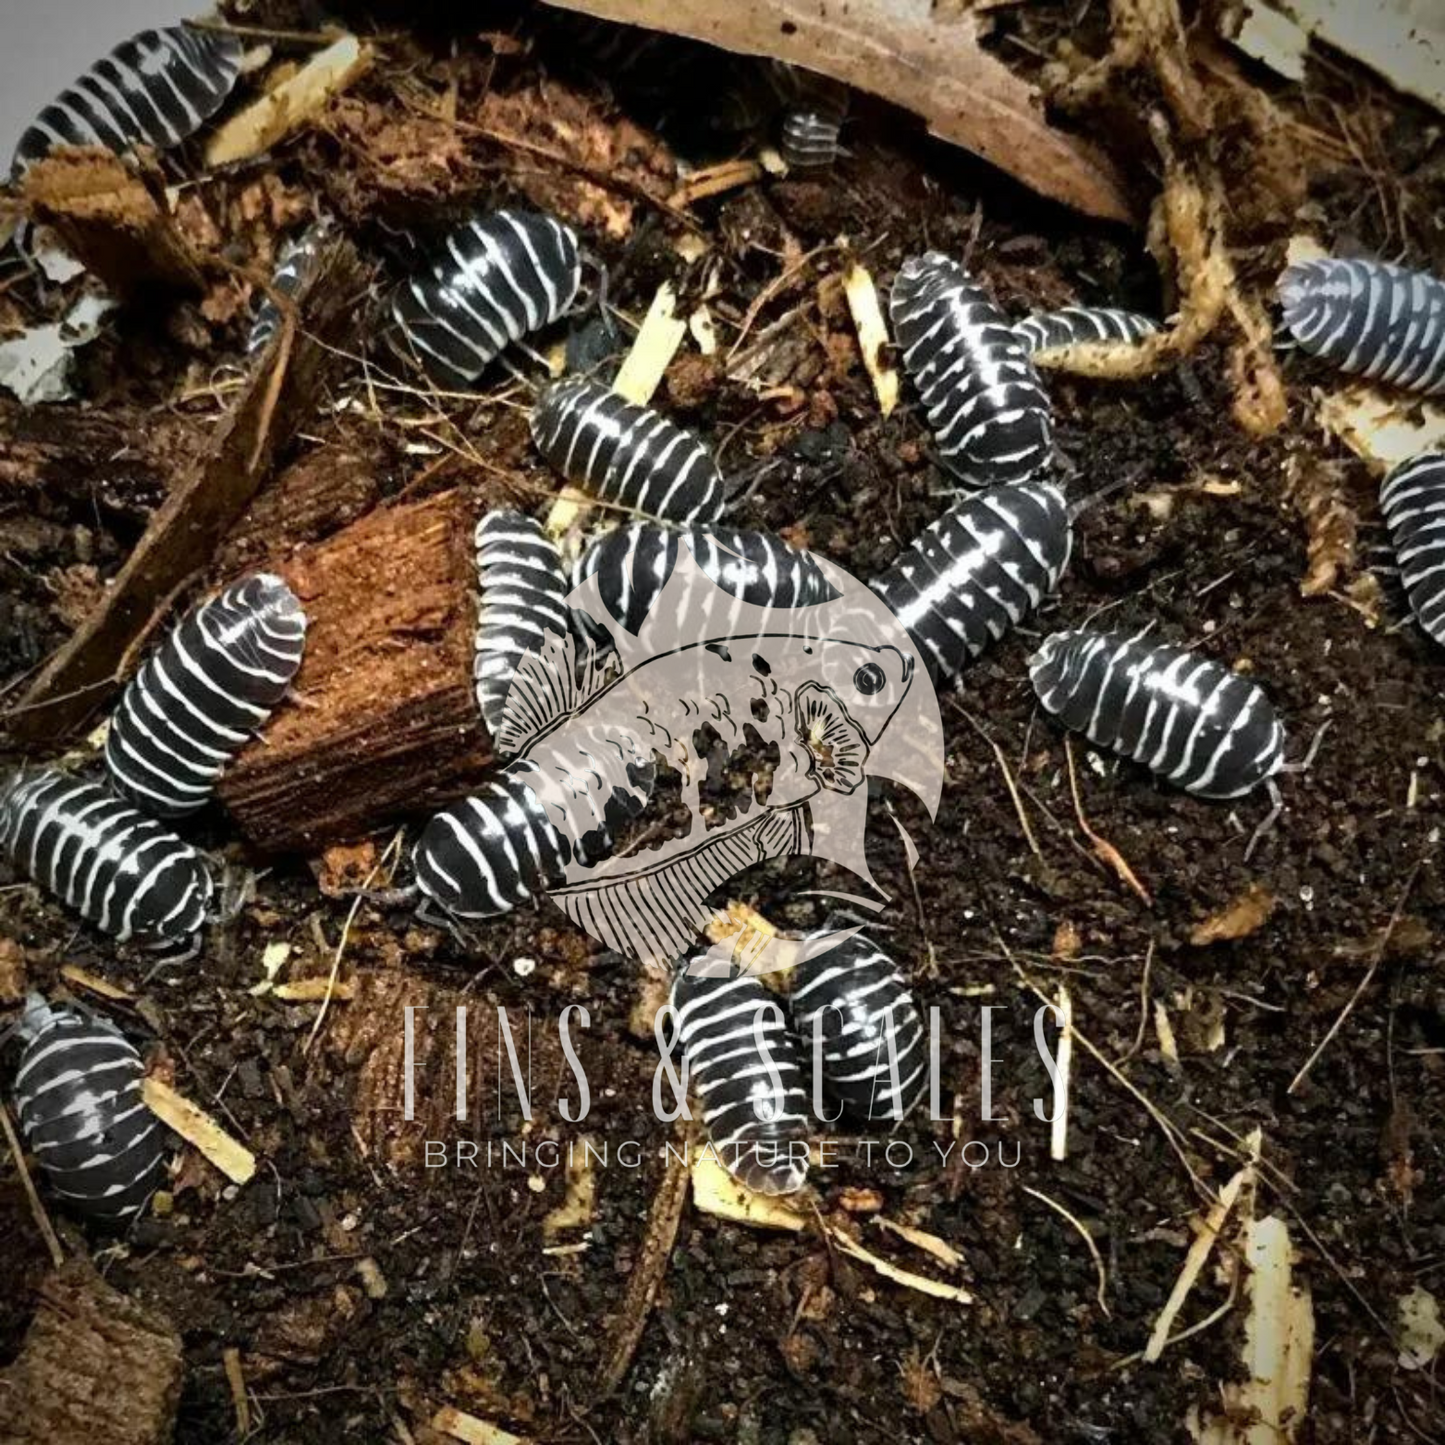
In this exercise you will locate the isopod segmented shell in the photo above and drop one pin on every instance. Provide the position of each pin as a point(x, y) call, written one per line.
point(978, 571)
point(297, 258)
point(629, 455)
point(1370, 318)
point(203, 694)
point(747, 1073)
point(128, 875)
point(809, 137)
point(78, 1099)
point(1413, 501)
point(1076, 325)
point(1185, 717)
point(157, 88)
point(851, 1008)
point(632, 564)
point(523, 596)
point(988, 410)
point(496, 279)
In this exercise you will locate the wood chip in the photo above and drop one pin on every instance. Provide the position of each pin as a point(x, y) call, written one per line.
point(873, 340)
point(577, 1207)
point(940, 1249)
point(472, 1431)
point(715, 180)
point(295, 100)
point(917, 1282)
point(373, 1281)
point(93, 983)
point(716, 1192)
point(1385, 428)
point(231, 1361)
point(197, 1128)
point(312, 990)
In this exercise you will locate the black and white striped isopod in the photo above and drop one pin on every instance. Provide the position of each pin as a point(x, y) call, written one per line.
point(851, 1007)
point(626, 454)
point(632, 564)
point(78, 1098)
point(127, 875)
point(747, 1073)
point(1076, 325)
point(157, 88)
point(488, 854)
point(524, 594)
point(978, 571)
point(1413, 501)
point(297, 258)
point(498, 278)
point(809, 137)
point(203, 693)
point(988, 410)
point(1185, 717)
point(1369, 318)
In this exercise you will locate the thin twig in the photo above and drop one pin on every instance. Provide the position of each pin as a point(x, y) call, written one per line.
point(1007, 772)
point(42, 1219)
point(1379, 954)
point(1103, 848)
point(1085, 1236)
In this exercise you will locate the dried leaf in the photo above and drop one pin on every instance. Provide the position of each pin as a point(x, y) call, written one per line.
point(1248, 912)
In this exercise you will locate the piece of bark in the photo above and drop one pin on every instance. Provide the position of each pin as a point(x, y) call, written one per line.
point(111, 215)
point(318, 495)
point(385, 720)
point(95, 1366)
point(201, 508)
point(906, 53)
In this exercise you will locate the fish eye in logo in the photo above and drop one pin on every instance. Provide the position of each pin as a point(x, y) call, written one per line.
point(832, 693)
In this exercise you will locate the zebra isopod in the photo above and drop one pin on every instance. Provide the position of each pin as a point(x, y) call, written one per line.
point(78, 1099)
point(988, 410)
point(747, 1072)
point(978, 571)
point(203, 694)
point(1413, 501)
point(523, 595)
point(497, 279)
point(122, 872)
point(1370, 318)
point(1185, 717)
point(626, 454)
point(1082, 325)
point(492, 852)
point(632, 564)
point(293, 266)
point(809, 137)
point(860, 1029)
point(157, 88)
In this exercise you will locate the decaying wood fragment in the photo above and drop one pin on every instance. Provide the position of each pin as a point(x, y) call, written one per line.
point(202, 505)
point(95, 1366)
point(387, 721)
point(867, 315)
point(197, 1128)
point(111, 215)
point(900, 50)
point(470, 1430)
point(286, 106)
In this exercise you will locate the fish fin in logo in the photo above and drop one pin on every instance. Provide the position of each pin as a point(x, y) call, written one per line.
point(656, 911)
point(549, 684)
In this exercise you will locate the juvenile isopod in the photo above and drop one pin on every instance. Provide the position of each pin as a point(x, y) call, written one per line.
point(860, 1029)
point(297, 258)
point(127, 875)
point(809, 137)
point(1185, 717)
point(978, 571)
point(747, 1072)
point(523, 596)
point(988, 410)
point(626, 454)
point(1370, 318)
point(157, 88)
point(632, 564)
point(1413, 501)
point(78, 1099)
point(496, 279)
point(1076, 325)
point(203, 694)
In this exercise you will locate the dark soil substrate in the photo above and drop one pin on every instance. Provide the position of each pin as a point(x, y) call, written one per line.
point(756, 1335)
